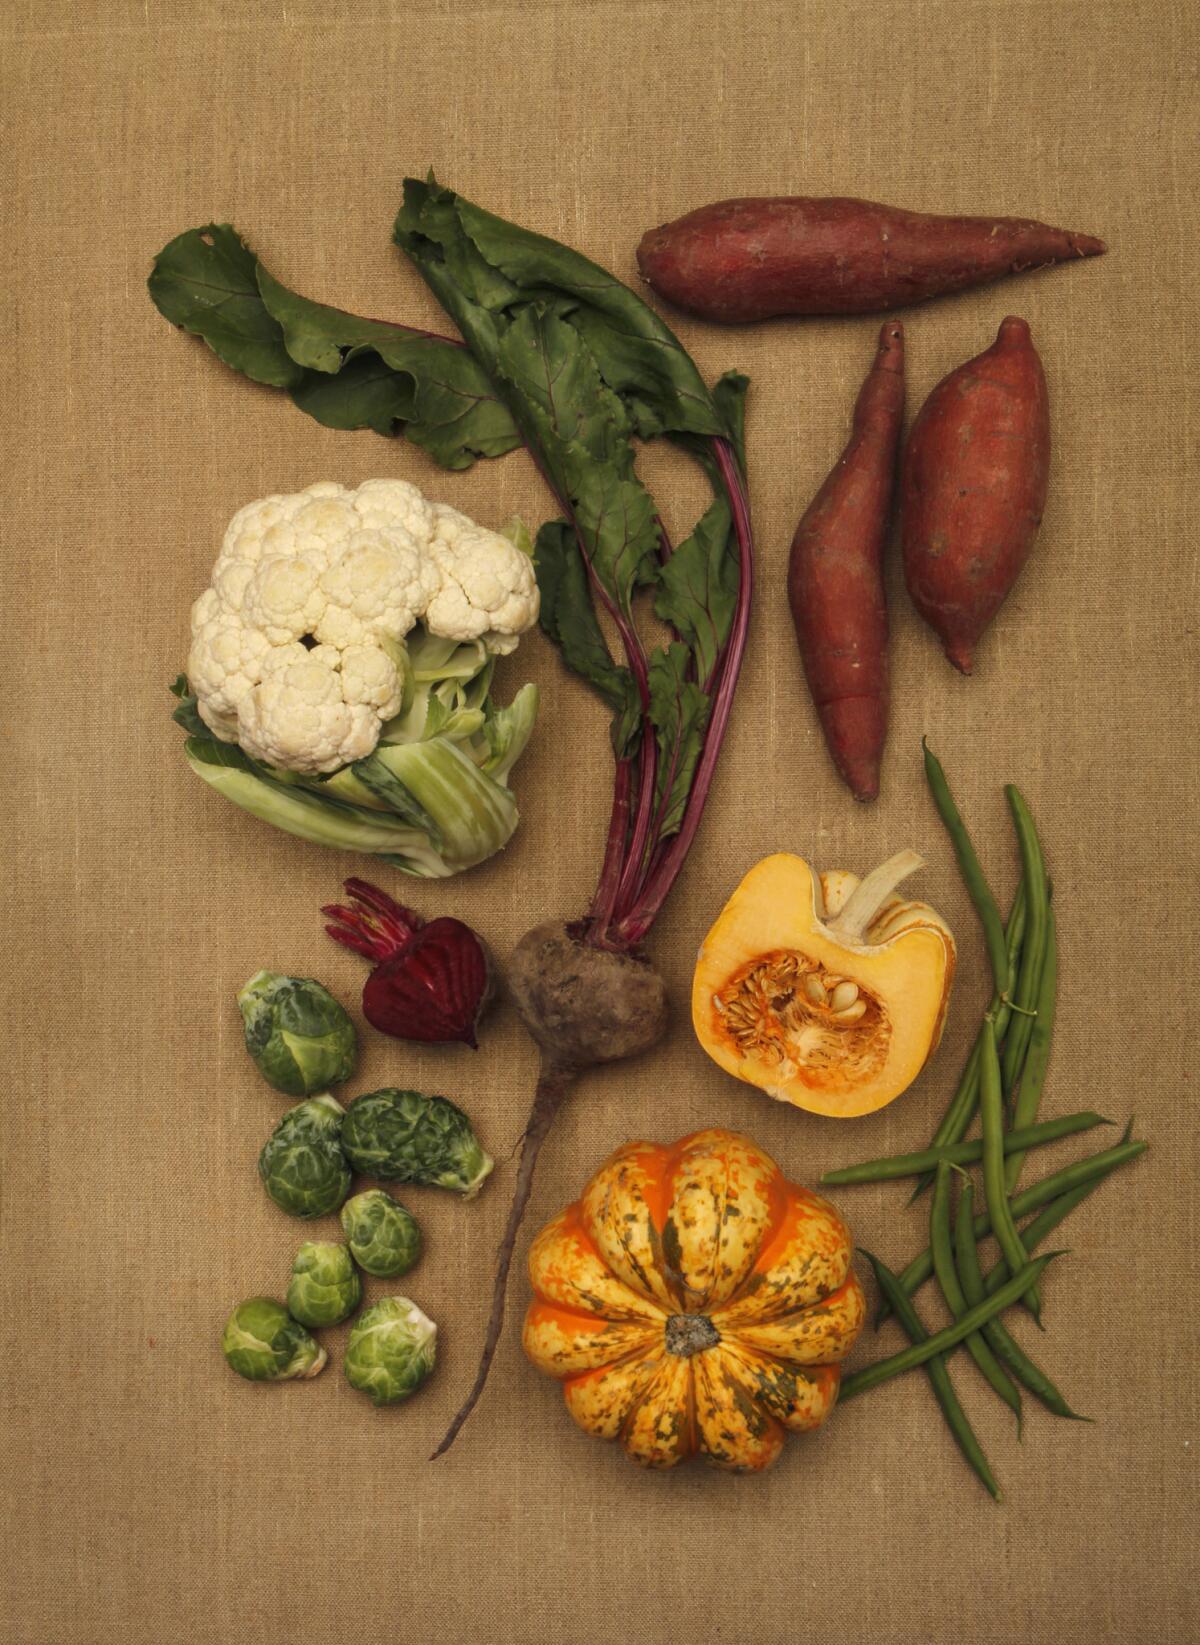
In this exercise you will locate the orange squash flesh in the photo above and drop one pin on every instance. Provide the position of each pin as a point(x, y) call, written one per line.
point(777, 965)
point(693, 1302)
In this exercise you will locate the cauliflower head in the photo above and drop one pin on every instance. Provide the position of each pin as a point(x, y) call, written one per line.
point(290, 642)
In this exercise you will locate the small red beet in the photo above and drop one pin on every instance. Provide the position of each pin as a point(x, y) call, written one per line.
point(432, 981)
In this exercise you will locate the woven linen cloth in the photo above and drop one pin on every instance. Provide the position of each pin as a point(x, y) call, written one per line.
point(150, 1496)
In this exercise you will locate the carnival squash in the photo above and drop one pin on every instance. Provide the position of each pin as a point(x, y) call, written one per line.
point(694, 1302)
point(825, 991)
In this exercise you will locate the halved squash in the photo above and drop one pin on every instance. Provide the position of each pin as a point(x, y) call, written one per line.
point(825, 991)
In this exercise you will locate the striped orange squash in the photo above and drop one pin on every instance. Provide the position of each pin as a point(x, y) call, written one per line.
point(694, 1302)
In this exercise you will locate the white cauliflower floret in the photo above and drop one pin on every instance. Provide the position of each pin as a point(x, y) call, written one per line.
point(245, 532)
point(284, 598)
point(369, 678)
point(225, 661)
point(297, 718)
point(384, 579)
point(488, 591)
point(288, 656)
point(391, 503)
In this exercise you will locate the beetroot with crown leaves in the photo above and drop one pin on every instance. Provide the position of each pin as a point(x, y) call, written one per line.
point(432, 981)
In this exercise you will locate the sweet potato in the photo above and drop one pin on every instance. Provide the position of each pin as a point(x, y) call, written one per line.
point(973, 487)
point(835, 577)
point(751, 259)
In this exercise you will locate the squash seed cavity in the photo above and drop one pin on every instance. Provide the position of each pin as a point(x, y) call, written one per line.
point(785, 1009)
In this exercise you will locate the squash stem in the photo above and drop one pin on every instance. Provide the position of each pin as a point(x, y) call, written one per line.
point(873, 892)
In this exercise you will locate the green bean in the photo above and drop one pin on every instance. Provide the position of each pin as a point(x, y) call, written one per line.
point(958, 1116)
point(991, 1110)
point(956, 1300)
point(973, 876)
point(939, 1378)
point(1036, 1230)
point(1033, 1074)
point(960, 1153)
point(1027, 987)
point(951, 1335)
point(1028, 1374)
point(1086, 1173)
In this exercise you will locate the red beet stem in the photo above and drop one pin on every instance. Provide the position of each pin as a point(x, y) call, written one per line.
point(376, 926)
point(665, 870)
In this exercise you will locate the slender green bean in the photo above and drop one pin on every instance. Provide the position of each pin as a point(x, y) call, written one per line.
point(1085, 1173)
point(1037, 1229)
point(991, 1110)
point(939, 1378)
point(953, 1293)
point(961, 1153)
point(958, 1116)
point(974, 878)
point(1028, 1374)
point(1033, 1074)
point(1027, 986)
point(950, 1336)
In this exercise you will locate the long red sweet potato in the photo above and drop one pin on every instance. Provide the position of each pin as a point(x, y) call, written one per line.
point(973, 488)
point(750, 259)
point(835, 577)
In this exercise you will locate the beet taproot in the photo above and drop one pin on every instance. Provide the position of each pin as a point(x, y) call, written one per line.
point(973, 488)
point(750, 259)
point(835, 577)
point(583, 1006)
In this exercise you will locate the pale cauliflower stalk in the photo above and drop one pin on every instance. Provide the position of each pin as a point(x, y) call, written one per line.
point(290, 644)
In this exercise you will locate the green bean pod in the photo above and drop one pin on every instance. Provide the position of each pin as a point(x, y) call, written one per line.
point(1033, 1074)
point(974, 878)
point(958, 1116)
point(1027, 986)
point(956, 1298)
point(939, 1378)
point(1070, 1185)
point(991, 1110)
point(960, 1153)
point(1038, 1228)
point(950, 1336)
point(1028, 1374)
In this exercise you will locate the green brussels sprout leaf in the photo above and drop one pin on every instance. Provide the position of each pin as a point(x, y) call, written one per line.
point(404, 1136)
point(263, 1343)
point(325, 1288)
point(384, 1237)
point(302, 1040)
point(391, 1350)
point(302, 1164)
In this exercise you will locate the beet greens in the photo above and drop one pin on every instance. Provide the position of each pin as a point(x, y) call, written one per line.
point(563, 358)
point(585, 367)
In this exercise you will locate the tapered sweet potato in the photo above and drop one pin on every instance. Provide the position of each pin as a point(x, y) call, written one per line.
point(835, 577)
point(973, 488)
point(751, 259)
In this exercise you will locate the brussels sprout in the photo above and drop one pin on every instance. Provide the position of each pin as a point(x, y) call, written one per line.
point(391, 1350)
point(402, 1136)
point(300, 1037)
point(265, 1344)
point(325, 1288)
point(384, 1237)
point(302, 1165)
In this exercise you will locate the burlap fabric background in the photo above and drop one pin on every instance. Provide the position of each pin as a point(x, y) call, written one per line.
point(151, 1497)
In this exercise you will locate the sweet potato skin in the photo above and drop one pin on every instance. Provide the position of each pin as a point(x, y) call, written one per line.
point(973, 488)
point(835, 577)
point(750, 259)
